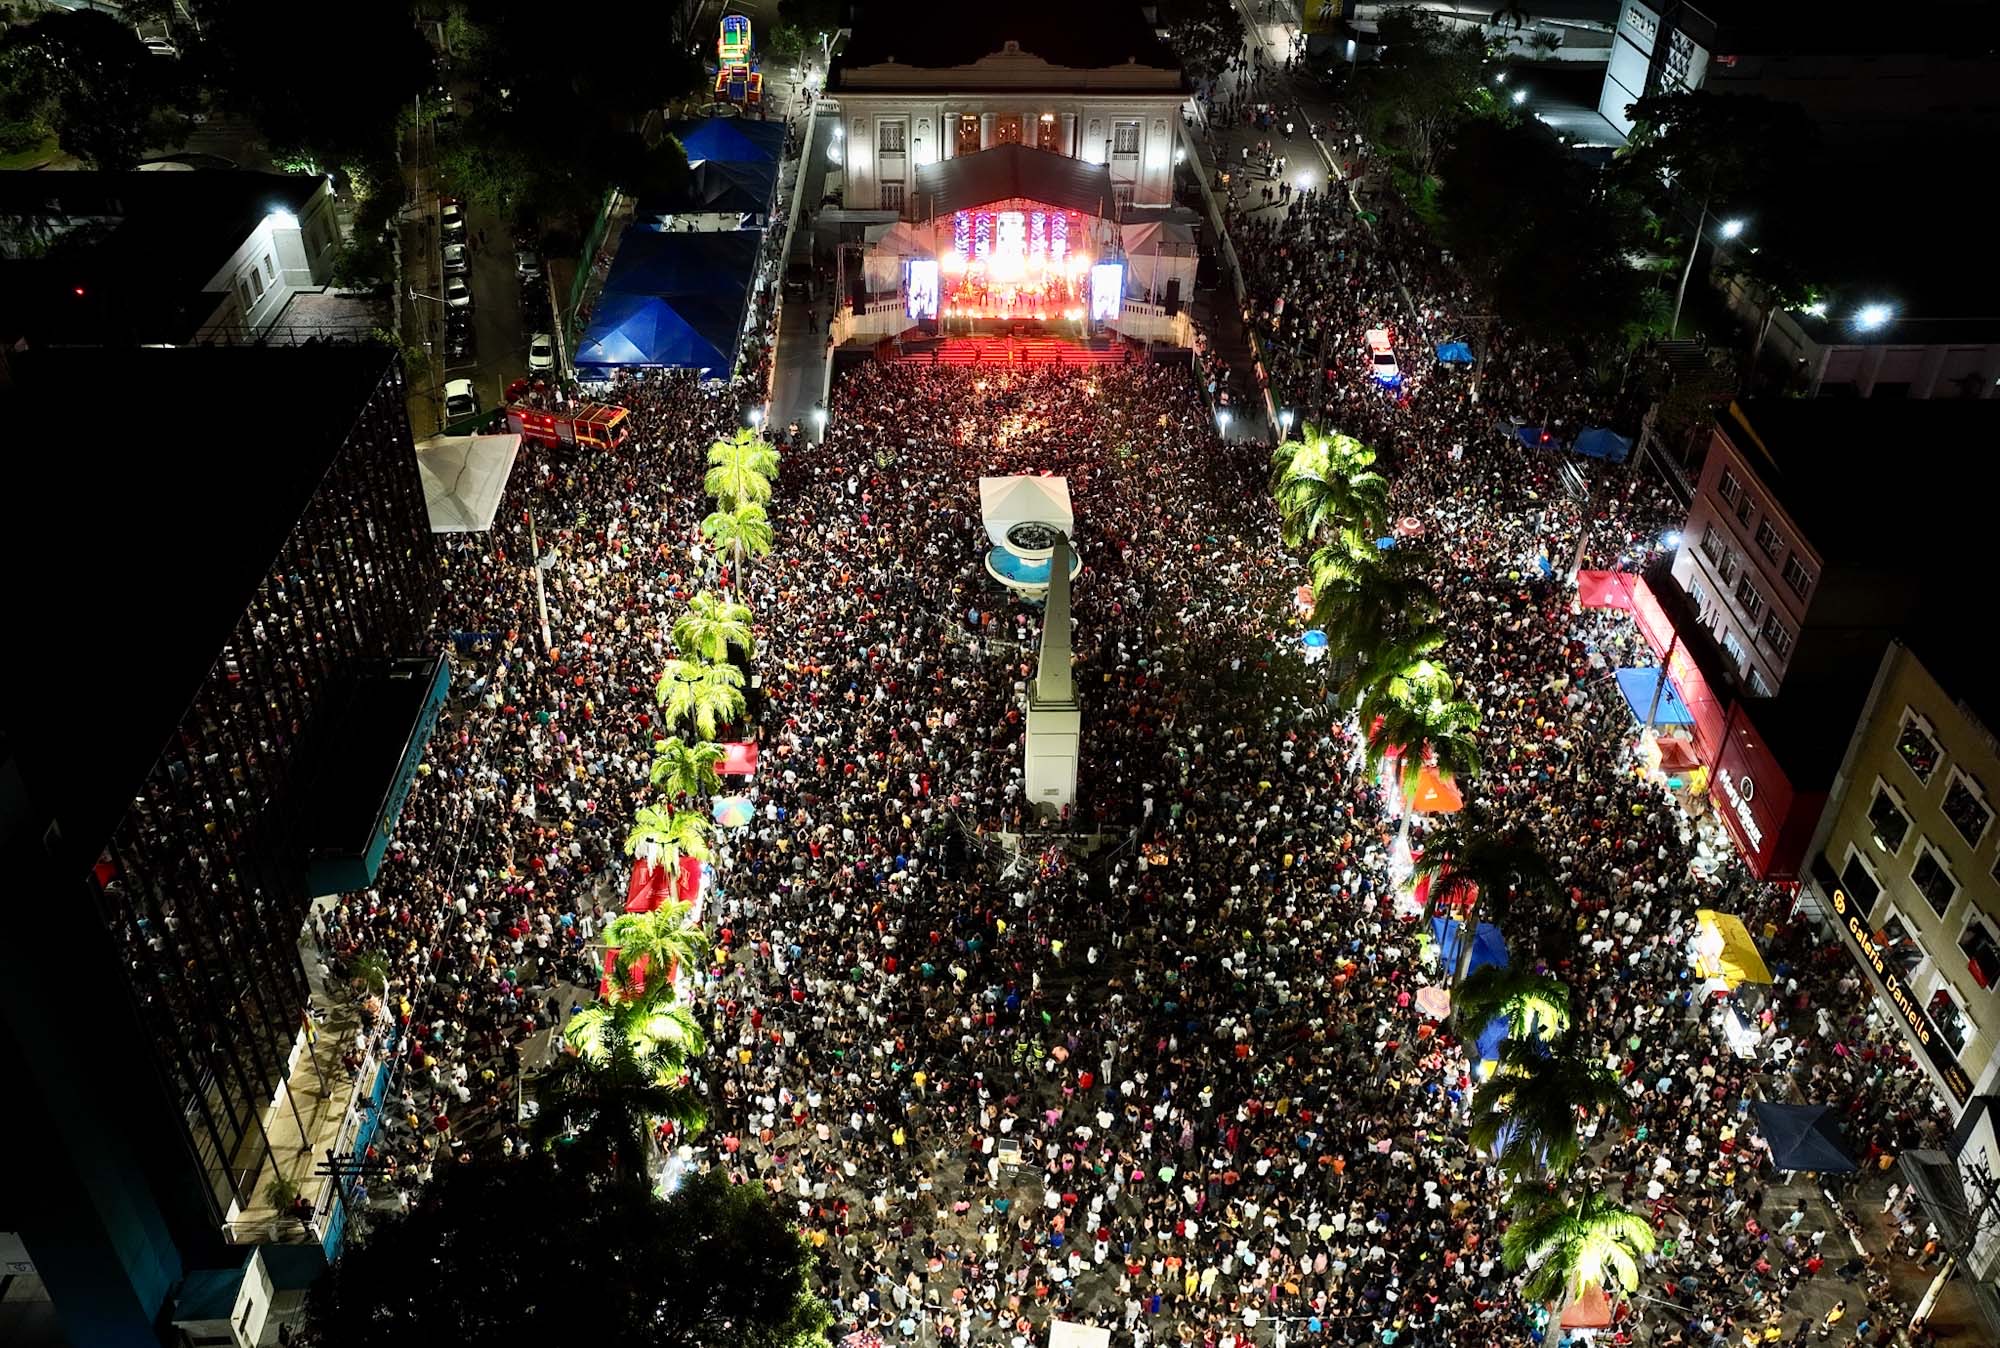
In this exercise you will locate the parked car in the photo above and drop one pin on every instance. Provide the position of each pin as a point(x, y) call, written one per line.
point(458, 343)
point(452, 216)
point(541, 352)
point(160, 46)
point(456, 259)
point(534, 308)
point(457, 293)
point(528, 264)
point(1382, 357)
point(460, 399)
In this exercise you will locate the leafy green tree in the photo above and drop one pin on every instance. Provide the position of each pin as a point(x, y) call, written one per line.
point(1324, 483)
point(1429, 82)
point(665, 1036)
point(740, 470)
point(743, 533)
point(708, 695)
point(597, 1118)
point(523, 1253)
point(1203, 33)
point(1569, 1244)
point(84, 76)
point(1528, 1115)
point(685, 770)
point(249, 57)
point(1434, 730)
point(711, 627)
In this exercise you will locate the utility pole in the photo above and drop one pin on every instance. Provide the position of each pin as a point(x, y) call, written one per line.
point(541, 593)
point(1962, 1249)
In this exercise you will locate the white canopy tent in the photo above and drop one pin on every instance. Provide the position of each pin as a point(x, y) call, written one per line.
point(464, 478)
point(1007, 501)
point(1069, 1334)
point(889, 247)
point(1157, 253)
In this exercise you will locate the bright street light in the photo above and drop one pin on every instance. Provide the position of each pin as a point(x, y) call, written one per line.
point(1222, 419)
point(1817, 309)
point(1520, 97)
point(1872, 316)
point(1731, 228)
point(1285, 420)
point(1305, 182)
point(1501, 78)
point(756, 415)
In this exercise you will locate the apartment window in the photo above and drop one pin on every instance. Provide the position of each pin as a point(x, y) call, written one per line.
point(1797, 578)
point(1887, 821)
point(1860, 882)
point(1950, 1019)
point(1918, 748)
point(1775, 636)
point(1124, 138)
point(892, 196)
point(1755, 681)
point(1121, 197)
point(1732, 648)
point(1728, 487)
point(1712, 546)
point(1902, 949)
point(1932, 877)
point(1965, 805)
point(1982, 951)
point(889, 137)
point(1746, 595)
point(1698, 593)
point(270, 268)
point(1768, 540)
point(1048, 134)
point(243, 293)
point(1744, 510)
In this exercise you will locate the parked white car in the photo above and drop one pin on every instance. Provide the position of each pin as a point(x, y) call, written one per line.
point(456, 260)
point(541, 352)
point(460, 399)
point(457, 293)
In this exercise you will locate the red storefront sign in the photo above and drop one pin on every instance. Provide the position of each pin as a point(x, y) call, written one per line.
point(1753, 798)
point(1709, 710)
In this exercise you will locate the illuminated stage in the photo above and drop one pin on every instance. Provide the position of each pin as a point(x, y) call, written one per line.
point(1011, 262)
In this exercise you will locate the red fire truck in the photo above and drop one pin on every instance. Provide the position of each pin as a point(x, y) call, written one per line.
point(596, 425)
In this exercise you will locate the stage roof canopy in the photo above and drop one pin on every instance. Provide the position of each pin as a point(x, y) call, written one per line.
point(464, 477)
point(1007, 501)
point(715, 187)
point(1009, 171)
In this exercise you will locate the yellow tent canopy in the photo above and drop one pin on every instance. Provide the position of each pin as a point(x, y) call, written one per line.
point(1723, 949)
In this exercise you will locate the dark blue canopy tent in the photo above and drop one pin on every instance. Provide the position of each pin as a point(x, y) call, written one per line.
point(654, 262)
point(1488, 946)
point(1638, 685)
point(1454, 353)
point(1803, 1137)
point(1535, 437)
point(1601, 443)
point(715, 187)
point(733, 140)
point(696, 332)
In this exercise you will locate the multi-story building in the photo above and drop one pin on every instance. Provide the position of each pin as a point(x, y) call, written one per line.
point(203, 606)
point(1812, 542)
point(1907, 850)
point(163, 257)
point(914, 88)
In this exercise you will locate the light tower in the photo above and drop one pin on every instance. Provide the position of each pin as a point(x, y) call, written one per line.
point(1055, 718)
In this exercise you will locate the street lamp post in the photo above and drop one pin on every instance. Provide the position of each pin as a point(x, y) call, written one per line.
point(1729, 229)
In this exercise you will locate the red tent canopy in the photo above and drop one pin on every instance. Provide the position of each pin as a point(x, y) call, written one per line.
point(1605, 589)
point(648, 888)
point(1591, 1310)
point(739, 758)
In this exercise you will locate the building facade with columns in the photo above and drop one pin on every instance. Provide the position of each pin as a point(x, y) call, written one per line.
point(914, 88)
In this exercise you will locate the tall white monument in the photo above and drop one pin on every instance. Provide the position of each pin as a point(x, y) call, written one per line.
point(1055, 719)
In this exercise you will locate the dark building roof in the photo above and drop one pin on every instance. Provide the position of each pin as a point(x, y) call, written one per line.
point(1887, 484)
point(1104, 33)
point(1731, 27)
point(158, 487)
point(1009, 171)
point(140, 245)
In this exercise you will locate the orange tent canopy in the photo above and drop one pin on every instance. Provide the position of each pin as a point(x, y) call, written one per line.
point(1592, 1310)
point(1434, 794)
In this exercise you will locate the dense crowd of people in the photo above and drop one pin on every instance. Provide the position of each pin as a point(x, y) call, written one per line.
point(1152, 1064)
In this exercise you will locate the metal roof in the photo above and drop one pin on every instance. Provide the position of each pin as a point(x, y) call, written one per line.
point(1008, 172)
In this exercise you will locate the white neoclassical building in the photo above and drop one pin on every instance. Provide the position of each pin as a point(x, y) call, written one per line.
point(916, 85)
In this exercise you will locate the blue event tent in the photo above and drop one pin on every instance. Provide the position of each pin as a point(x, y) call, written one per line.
point(1534, 437)
point(1454, 353)
point(1601, 443)
point(654, 262)
point(715, 187)
point(695, 332)
point(1803, 1137)
point(733, 140)
point(1638, 684)
point(1488, 947)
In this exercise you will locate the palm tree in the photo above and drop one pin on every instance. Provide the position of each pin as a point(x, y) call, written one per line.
point(1358, 601)
point(1434, 731)
point(743, 533)
point(740, 470)
point(1324, 480)
point(598, 1117)
point(706, 694)
point(1569, 1244)
point(370, 970)
point(672, 834)
point(661, 939)
point(710, 627)
point(664, 1034)
point(1534, 1004)
point(1527, 1116)
point(1467, 862)
point(688, 770)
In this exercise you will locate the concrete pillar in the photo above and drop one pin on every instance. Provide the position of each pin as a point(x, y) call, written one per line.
point(1871, 370)
point(985, 130)
point(1069, 134)
point(947, 134)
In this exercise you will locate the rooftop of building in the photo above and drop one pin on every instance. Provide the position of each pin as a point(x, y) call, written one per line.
point(1108, 33)
point(132, 249)
point(1879, 483)
point(155, 488)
